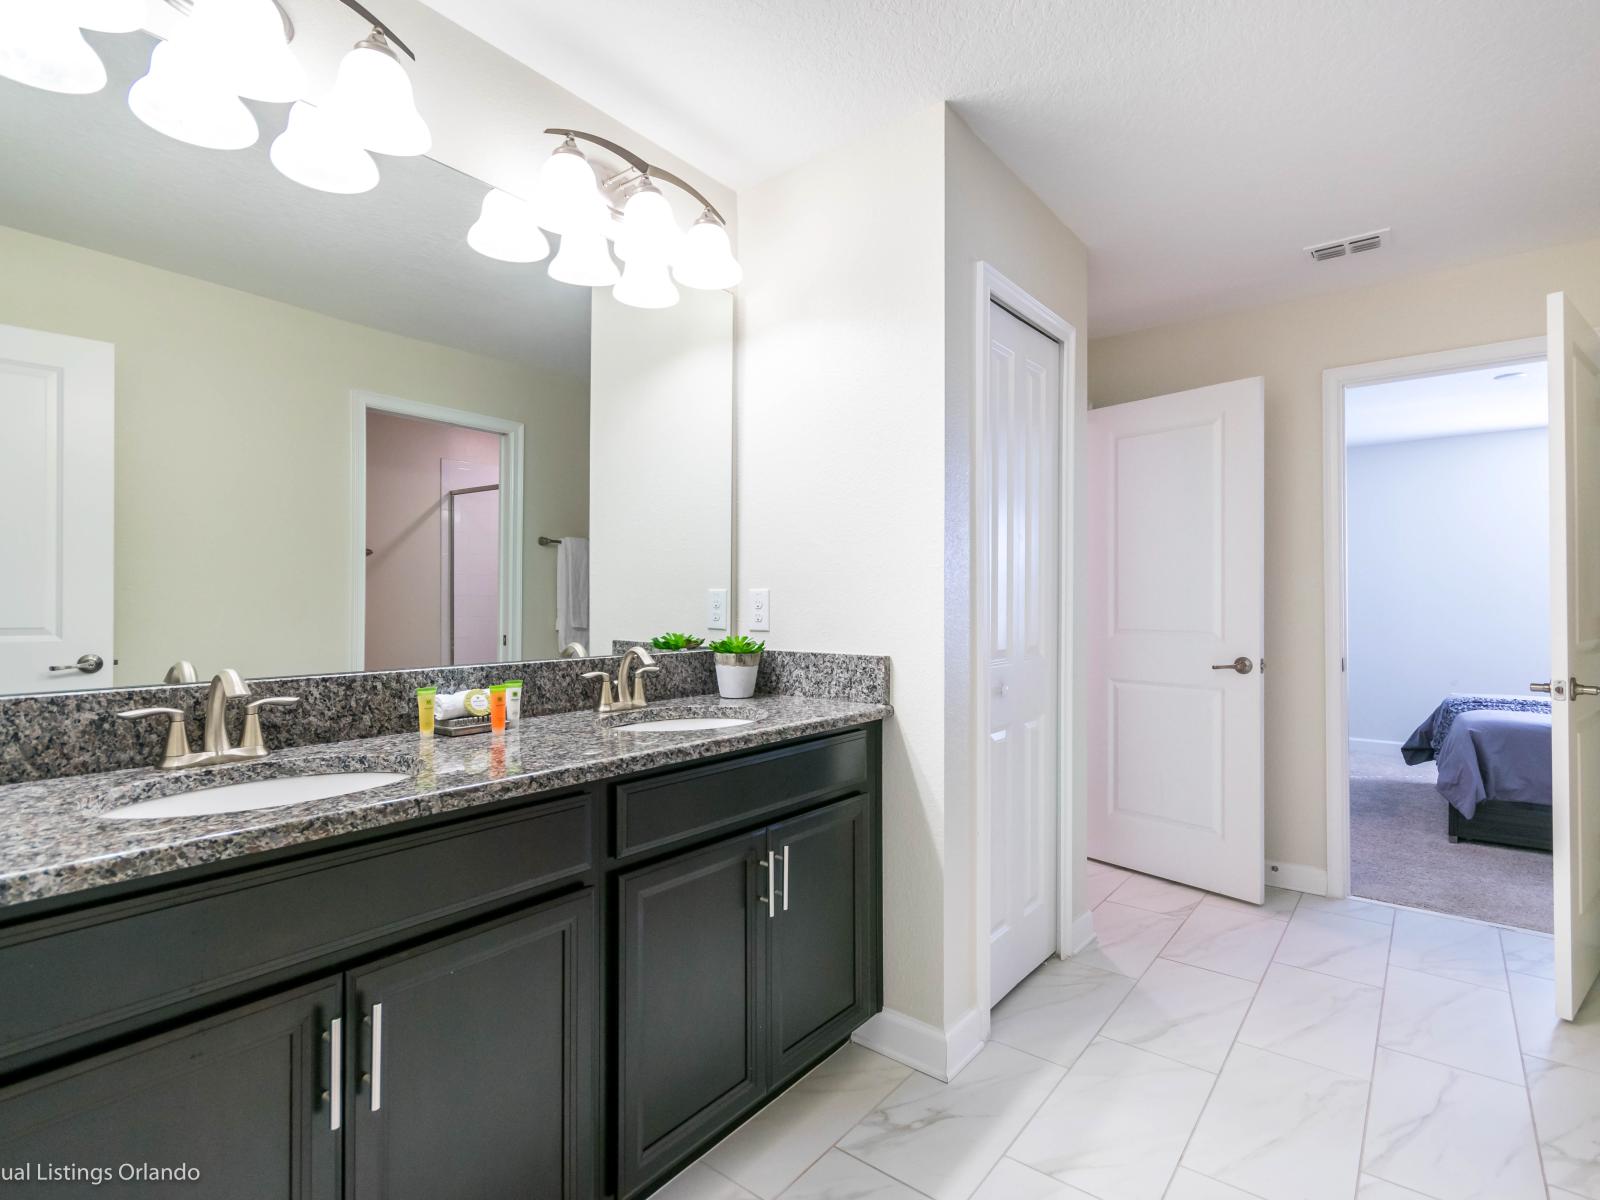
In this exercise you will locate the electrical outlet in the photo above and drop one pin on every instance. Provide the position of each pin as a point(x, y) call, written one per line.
point(760, 610)
point(717, 608)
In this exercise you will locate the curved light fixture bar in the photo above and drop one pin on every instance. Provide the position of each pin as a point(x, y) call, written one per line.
point(637, 163)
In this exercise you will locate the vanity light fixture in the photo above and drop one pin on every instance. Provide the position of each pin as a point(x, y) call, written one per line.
point(585, 259)
point(705, 258)
point(507, 228)
point(373, 99)
point(567, 196)
point(645, 284)
point(647, 230)
point(190, 105)
point(319, 153)
point(43, 46)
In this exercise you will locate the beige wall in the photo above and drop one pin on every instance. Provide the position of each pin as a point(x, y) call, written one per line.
point(1291, 345)
point(855, 369)
point(233, 455)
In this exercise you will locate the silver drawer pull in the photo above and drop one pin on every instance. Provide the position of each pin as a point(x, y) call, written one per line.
point(377, 1057)
point(335, 1092)
point(786, 879)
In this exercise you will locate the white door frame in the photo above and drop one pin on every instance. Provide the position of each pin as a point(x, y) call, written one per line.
point(510, 512)
point(993, 287)
point(1334, 605)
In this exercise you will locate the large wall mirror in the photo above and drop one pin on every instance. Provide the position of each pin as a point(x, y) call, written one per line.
point(245, 423)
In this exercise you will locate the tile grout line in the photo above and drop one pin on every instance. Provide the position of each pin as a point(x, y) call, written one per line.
point(1522, 1056)
point(1372, 1074)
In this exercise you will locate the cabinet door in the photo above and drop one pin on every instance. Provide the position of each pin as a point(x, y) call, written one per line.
point(690, 978)
point(477, 1063)
point(239, 1104)
point(821, 936)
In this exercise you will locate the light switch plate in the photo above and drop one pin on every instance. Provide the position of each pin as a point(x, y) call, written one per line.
point(760, 610)
point(716, 608)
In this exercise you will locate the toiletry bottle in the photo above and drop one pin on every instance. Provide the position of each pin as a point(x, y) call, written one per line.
point(513, 701)
point(425, 710)
point(497, 708)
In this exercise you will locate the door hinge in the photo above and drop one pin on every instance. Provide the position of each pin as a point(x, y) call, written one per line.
point(505, 639)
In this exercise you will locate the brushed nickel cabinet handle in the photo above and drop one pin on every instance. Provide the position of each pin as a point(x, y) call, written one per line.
point(335, 1093)
point(1241, 664)
point(786, 879)
point(772, 884)
point(377, 1057)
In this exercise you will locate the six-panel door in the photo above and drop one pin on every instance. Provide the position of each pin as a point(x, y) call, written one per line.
point(820, 937)
point(239, 1104)
point(690, 977)
point(475, 1062)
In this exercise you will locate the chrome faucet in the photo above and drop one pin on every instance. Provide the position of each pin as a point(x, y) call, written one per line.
point(616, 695)
point(225, 685)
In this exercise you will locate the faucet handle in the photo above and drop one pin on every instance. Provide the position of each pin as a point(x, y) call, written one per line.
point(638, 682)
point(252, 744)
point(605, 689)
point(177, 729)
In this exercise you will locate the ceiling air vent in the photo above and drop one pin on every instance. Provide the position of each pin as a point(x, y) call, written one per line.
point(1359, 244)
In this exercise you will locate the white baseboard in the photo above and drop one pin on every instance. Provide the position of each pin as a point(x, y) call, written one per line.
point(1081, 933)
point(936, 1052)
point(1298, 877)
point(1375, 744)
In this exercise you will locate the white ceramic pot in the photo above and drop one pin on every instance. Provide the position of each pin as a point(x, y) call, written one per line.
point(736, 675)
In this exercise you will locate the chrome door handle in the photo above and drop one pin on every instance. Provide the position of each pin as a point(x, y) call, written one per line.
point(1241, 664)
point(1539, 687)
point(772, 884)
point(786, 879)
point(1583, 689)
point(87, 663)
point(335, 1093)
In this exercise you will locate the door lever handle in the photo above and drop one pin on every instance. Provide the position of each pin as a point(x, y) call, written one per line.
point(1539, 687)
point(87, 663)
point(1583, 689)
point(1241, 664)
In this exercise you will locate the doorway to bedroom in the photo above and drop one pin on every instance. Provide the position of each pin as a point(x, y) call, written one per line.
point(1447, 575)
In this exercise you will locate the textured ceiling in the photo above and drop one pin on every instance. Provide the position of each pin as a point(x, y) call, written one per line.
point(1195, 145)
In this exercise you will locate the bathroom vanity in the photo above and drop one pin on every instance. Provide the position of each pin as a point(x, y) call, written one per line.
point(558, 965)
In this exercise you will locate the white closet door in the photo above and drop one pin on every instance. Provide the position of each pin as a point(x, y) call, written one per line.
point(1176, 599)
point(56, 525)
point(1574, 370)
point(1022, 425)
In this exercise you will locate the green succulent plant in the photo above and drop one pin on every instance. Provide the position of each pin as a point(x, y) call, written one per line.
point(676, 641)
point(737, 644)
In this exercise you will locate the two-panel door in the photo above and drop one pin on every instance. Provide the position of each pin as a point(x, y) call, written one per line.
point(241, 1105)
point(475, 1063)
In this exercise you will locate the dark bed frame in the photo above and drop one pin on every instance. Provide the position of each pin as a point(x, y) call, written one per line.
point(1504, 823)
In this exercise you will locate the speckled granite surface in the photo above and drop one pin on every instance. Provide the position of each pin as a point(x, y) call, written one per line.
point(53, 842)
point(863, 678)
point(78, 733)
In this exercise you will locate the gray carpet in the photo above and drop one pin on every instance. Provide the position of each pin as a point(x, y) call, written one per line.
point(1399, 851)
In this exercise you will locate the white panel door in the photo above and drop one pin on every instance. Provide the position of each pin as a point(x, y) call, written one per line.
point(1022, 427)
point(1176, 579)
point(1574, 368)
point(56, 458)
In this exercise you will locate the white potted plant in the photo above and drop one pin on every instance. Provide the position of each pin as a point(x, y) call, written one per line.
point(738, 662)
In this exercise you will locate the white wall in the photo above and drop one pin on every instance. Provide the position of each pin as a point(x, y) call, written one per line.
point(1448, 574)
point(661, 489)
point(1290, 345)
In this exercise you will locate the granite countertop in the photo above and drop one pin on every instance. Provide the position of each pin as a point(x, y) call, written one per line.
point(54, 842)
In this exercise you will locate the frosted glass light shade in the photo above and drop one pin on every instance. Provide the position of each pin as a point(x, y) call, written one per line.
point(705, 257)
point(645, 284)
point(507, 229)
point(182, 100)
point(648, 229)
point(584, 259)
point(566, 196)
point(373, 99)
point(42, 46)
point(243, 45)
point(108, 16)
point(316, 151)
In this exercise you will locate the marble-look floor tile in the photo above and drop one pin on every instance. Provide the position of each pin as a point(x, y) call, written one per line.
point(837, 1176)
point(1191, 1185)
point(1373, 1188)
point(1126, 940)
point(1234, 940)
point(1055, 1012)
point(1447, 1021)
point(1344, 946)
point(1103, 880)
point(1450, 1134)
point(1350, 906)
point(699, 1182)
point(1545, 1035)
point(1116, 1125)
point(771, 1150)
point(1157, 895)
point(1279, 902)
point(943, 1138)
point(1529, 953)
point(1318, 1019)
point(1566, 1120)
point(1448, 947)
point(1182, 1012)
point(1281, 1129)
point(1010, 1180)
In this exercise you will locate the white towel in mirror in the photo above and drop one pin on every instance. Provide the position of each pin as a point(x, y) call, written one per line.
point(572, 590)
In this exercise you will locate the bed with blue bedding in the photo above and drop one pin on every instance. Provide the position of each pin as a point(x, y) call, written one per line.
point(1494, 760)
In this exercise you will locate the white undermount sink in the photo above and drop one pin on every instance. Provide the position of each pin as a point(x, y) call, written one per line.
point(683, 724)
point(257, 794)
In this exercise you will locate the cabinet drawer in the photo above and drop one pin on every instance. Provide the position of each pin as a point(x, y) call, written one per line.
point(102, 970)
point(656, 812)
